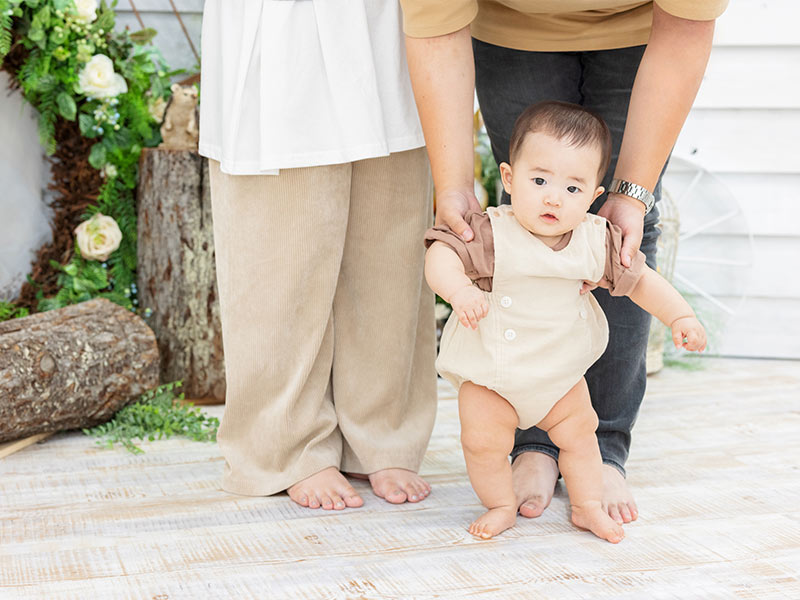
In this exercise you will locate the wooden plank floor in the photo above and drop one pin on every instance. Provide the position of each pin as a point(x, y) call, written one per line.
point(715, 468)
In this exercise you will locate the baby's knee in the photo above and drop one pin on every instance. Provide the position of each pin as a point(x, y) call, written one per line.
point(587, 420)
point(477, 442)
point(578, 426)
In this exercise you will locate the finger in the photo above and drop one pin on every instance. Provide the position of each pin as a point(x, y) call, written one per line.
point(630, 246)
point(485, 308)
point(474, 318)
point(677, 337)
point(470, 318)
point(462, 318)
point(457, 223)
point(692, 340)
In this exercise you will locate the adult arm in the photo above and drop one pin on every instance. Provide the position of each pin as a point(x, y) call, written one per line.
point(663, 92)
point(443, 78)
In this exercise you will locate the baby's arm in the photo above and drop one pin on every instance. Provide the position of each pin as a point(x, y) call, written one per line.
point(445, 274)
point(655, 295)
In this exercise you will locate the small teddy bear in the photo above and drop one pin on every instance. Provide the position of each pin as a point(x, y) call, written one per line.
point(179, 129)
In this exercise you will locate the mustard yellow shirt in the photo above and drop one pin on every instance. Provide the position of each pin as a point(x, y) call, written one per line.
point(550, 25)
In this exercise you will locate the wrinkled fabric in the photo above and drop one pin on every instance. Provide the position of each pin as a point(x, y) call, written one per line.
point(296, 84)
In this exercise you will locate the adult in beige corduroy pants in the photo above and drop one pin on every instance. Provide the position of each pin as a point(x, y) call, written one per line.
point(328, 328)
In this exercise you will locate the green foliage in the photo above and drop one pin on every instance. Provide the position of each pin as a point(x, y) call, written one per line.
point(490, 172)
point(59, 45)
point(82, 280)
point(158, 414)
point(9, 310)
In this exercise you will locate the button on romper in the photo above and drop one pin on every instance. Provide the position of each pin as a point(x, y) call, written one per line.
point(540, 334)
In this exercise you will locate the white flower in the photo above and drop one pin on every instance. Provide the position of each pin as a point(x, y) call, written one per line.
point(98, 237)
point(109, 170)
point(87, 10)
point(98, 79)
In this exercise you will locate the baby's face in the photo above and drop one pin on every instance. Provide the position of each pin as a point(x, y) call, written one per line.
point(553, 184)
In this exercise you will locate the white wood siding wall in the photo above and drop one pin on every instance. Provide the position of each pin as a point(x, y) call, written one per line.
point(745, 129)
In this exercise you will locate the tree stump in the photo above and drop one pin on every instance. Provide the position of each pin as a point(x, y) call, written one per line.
point(72, 367)
point(176, 272)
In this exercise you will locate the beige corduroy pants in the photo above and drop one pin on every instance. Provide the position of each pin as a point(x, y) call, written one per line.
point(327, 323)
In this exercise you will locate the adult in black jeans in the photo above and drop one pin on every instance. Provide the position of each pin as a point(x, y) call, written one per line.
point(644, 93)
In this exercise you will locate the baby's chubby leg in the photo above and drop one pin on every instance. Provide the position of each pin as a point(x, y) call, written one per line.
point(488, 422)
point(571, 424)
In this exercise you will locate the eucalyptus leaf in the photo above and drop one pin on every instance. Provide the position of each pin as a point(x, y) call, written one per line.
point(66, 106)
point(97, 156)
point(143, 36)
point(86, 123)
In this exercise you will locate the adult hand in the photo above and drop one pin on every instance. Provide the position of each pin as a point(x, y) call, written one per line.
point(627, 214)
point(451, 206)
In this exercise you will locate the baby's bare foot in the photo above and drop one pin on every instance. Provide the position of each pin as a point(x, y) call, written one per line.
point(592, 517)
point(399, 485)
point(617, 500)
point(534, 475)
point(327, 489)
point(493, 522)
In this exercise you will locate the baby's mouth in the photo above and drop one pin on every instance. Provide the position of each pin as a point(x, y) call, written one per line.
point(548, 217)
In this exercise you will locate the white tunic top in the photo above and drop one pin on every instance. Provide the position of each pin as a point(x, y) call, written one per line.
point(300, 83)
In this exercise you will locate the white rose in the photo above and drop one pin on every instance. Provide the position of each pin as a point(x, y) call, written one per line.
point(109, 170)
point(87, 10)
point(98, 79)
point(98, 237)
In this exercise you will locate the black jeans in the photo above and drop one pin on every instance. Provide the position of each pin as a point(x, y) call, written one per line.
point(507, 82)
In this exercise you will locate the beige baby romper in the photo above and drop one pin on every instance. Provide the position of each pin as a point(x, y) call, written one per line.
point(540, 334)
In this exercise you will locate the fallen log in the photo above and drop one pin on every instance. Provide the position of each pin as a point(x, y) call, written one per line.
point(73, 367)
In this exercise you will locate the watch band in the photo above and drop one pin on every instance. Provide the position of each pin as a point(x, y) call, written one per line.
point(633, 190)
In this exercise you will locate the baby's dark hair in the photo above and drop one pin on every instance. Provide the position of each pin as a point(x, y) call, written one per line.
point(564, 121)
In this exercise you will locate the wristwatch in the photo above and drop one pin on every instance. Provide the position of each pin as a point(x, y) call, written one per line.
point(633, 190)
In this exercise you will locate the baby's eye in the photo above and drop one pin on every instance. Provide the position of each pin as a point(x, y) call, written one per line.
point(573, 189)
point(539, 181)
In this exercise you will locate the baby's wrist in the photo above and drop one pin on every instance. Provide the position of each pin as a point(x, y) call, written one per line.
point(460, 288)
point(675, 320)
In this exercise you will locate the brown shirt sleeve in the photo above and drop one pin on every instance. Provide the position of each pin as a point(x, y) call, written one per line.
point(703, 10)
point(430, 18)
point(477, 255)
point(620, 280)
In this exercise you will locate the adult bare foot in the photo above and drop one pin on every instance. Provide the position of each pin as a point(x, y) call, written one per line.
point(327, 489)
point(595, 519)
point(534, 476)
point(493, 522)
point(399, 485)
point(617, 499)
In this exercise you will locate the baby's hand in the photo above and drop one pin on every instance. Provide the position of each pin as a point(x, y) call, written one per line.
point(688, 333)
point(469, 305)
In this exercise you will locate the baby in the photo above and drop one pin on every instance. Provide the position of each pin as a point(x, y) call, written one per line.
point(521, 335)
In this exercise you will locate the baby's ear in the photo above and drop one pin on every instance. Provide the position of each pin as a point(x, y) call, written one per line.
point(505, 176)
point(600, 189)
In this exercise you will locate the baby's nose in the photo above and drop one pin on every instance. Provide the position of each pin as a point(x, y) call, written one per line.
point(552, 199)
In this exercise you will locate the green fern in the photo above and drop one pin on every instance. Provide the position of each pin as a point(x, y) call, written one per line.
point(5, 28)
point(159, 413)
point(9, 310)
